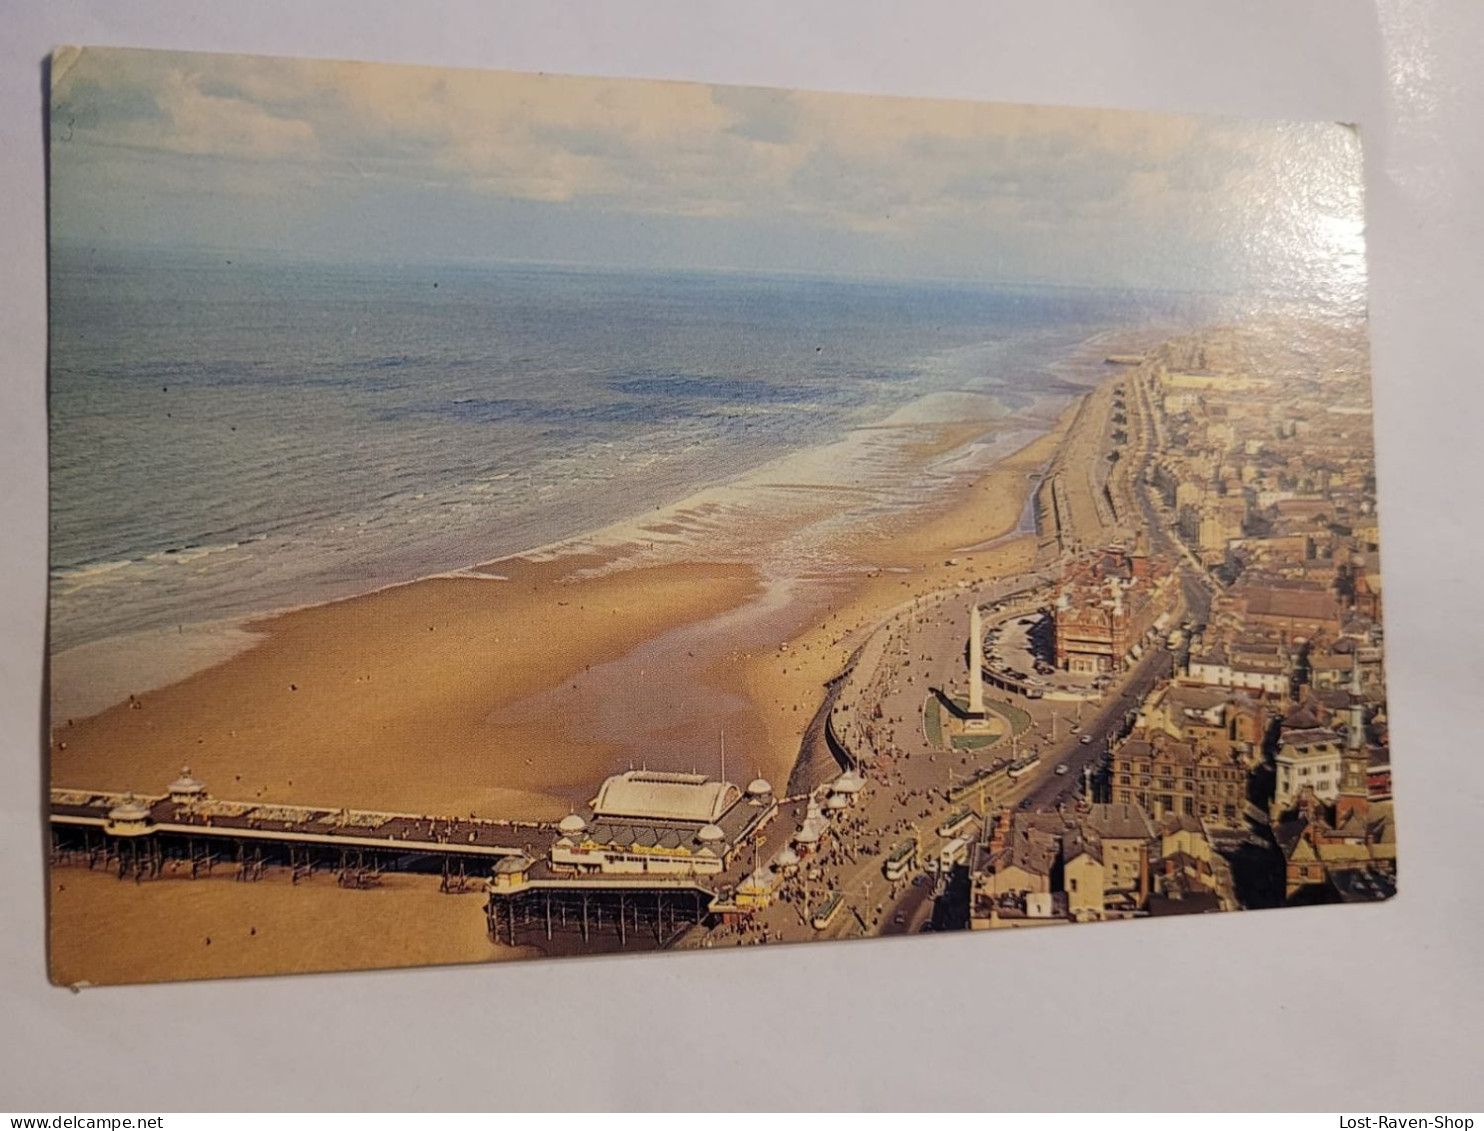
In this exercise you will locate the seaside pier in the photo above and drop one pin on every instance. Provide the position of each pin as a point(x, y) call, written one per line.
point(652, 855)
point(187, 833)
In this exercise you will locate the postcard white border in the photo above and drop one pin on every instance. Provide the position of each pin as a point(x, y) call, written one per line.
point(1246, 1011)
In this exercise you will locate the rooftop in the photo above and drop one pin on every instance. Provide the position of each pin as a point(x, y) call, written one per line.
point(1120, 821)
point(647, 795)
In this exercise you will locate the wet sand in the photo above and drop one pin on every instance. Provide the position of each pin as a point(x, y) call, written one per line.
point(751, 677)
point(786, 682)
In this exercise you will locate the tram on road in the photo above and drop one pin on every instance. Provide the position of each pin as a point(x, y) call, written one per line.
point(957, 822)
point(899, 862)
point(826, 912)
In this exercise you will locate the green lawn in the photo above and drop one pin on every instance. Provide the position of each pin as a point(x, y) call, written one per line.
point(974, 741)
point(932, 724)
point(1020, 722)
point(932, 720)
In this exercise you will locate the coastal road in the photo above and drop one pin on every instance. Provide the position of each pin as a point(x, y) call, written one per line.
point(907, 792)
point(1156, 664)
point(926, 649)
point(935, 655)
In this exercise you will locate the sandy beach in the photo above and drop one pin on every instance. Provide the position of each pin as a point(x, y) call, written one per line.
point(105, 932)
point(785, 683)
point(391, 701)
point(512, 689)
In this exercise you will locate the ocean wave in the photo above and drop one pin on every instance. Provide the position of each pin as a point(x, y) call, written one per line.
point(70, 578)
point(546, 405)
point(184, 555)
point(80, 574)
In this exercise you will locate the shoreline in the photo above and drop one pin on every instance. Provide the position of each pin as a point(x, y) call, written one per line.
point(685, 642)
point(450, 695)
point(86, 678)
point(388, 701)
point(928, 425)
point(640, 641)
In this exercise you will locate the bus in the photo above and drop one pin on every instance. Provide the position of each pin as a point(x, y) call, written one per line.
point(955, 852)
point(825, 913)
point(899, 862)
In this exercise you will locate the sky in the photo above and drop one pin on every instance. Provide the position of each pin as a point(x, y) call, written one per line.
point(353, 161)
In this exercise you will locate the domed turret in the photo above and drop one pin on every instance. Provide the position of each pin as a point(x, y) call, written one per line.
point(711, 834)
point(127, 818)
point(759, 788)
point(848, 783)
point(186, 789)
point(571, 825)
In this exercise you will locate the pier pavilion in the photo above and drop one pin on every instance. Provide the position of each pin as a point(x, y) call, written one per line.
point(653, 852)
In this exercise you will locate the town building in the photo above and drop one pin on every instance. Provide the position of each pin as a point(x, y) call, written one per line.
point(1107, 607)
point(1307, 759)
point(1334, 853)
point(1041, 868)
point(1167, 777)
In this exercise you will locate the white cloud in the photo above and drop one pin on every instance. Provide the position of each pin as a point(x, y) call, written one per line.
point(1063, 186)
point(218, 125)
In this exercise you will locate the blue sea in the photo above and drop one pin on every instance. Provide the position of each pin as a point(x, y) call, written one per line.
point(232, 435)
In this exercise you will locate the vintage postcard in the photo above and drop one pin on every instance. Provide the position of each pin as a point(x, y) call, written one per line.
point(504, 515)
